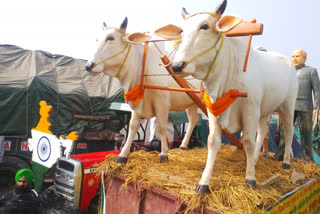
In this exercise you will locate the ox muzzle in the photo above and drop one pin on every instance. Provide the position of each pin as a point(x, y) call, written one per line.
point(89, 66)
point(178, 66)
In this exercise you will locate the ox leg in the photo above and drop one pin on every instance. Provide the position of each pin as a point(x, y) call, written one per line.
point(134, 125)
point(248, 145)
point(262, 131)
point(162, 125)
point(287, 123)
point(193, 120)
point(214, 144)
point(249, 135)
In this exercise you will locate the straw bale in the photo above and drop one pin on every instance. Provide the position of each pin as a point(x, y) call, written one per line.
point(228, 192)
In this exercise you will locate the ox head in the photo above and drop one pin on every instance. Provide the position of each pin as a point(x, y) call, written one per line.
point(113, 48)
point(199, 32)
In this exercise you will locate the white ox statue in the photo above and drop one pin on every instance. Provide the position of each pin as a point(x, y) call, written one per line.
point(270, 82)
point(114, 59)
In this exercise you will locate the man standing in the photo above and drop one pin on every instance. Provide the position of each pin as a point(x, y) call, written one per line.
point(308, 85)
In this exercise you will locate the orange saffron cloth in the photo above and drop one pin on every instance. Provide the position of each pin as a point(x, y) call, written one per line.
point(222, 103)
point(135, 95)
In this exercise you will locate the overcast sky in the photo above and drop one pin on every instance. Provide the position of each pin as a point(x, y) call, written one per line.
point(70, 27)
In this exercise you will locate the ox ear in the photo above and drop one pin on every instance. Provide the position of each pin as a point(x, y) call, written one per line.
point(136, 38)
point(227, 23)
point(170, 32)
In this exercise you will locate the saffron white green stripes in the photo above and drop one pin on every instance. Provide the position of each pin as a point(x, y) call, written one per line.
point(102, 209)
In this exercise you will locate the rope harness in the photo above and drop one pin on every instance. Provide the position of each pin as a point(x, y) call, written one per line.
point(217, 16)
point(206, 51)
point(124, 60)
point(117, 54)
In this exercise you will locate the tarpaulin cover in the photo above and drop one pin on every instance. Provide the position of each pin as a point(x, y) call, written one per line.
point(27, 77)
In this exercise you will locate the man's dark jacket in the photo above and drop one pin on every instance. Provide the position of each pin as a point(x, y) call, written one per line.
point(20, 200)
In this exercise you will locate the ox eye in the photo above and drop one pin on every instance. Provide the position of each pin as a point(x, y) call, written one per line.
point(109, 38)
point(204, 27)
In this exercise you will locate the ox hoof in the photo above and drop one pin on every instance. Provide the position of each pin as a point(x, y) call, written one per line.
point(183, 148)
point(163, 158)
point(285, 166)
point(202, 189)
point(120, 159)
point(251, 183)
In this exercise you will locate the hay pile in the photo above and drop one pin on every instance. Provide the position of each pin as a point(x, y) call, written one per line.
point(228, 191)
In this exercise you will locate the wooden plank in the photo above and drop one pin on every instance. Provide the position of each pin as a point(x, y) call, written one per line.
point(95, 118)
point(272, 180)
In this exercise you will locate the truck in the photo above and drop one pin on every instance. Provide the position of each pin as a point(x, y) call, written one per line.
point(80, 102)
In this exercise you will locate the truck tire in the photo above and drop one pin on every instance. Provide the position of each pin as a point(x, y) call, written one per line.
point(8, 169)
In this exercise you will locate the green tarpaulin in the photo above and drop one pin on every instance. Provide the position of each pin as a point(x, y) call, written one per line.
point(27, 77)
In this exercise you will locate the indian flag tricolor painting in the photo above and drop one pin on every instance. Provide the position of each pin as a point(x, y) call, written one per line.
point(103, 198)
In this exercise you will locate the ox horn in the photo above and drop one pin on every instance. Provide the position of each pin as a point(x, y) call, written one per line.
point(124, 24)
point(184, 13)
point(104, 26)
point(221, 8)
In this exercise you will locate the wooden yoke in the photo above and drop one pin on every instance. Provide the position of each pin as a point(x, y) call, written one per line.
point(197, 100)
point(184, 88)
point(183, 84)
point(246, 29)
